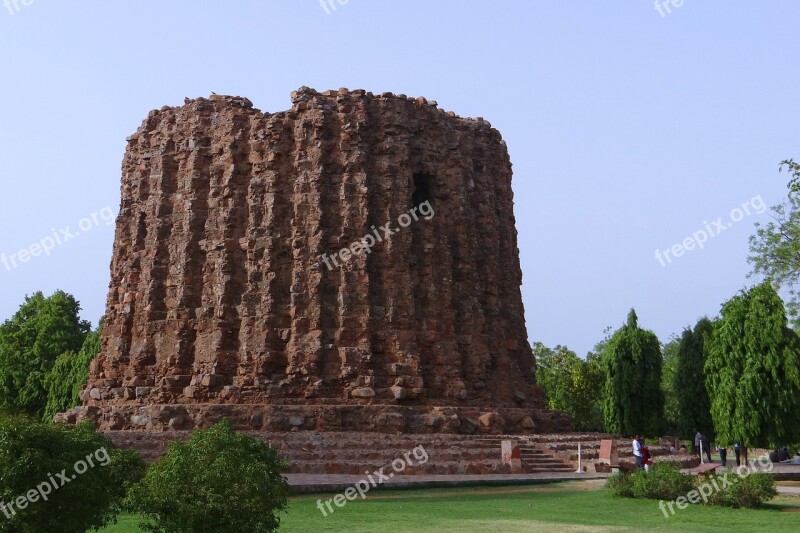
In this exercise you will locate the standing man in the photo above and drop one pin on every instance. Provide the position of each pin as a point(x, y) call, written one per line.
point(706, 446)
point(723, 453)
point(637, 452)
point(737, 450)
point(697, 439)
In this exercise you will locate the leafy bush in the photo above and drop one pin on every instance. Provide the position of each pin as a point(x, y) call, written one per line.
point(749, 492)
point(664, 482)
point(217, 481)
point(752, 491)
point(621, 484)
point(37, 488)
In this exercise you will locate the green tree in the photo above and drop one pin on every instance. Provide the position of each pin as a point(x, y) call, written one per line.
point(753, 371)
point(694, 405)
point(38, 462)
point(595, 375)
point(571, 385)
point(634, 402)
point(217, 481)
point(669, 366)
point(40, 331)
point(775, 248)
point(69, 374)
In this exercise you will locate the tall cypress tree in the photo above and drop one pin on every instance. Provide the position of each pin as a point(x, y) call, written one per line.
point(753, 371)
point(694, 405)
point(634, 401)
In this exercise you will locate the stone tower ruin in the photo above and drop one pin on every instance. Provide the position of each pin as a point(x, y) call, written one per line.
point(237, 290)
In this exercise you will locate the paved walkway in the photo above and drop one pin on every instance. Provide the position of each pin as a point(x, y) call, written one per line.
point(339, 482)
point(302, 483)
point(780, 471)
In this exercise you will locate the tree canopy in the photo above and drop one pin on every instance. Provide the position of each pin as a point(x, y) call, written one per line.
point(775, 248)
point(694, 405)
point(66, 379)
point(634, 401)
point(571, 385)
point(753, 371)
point(669, 367)
point(30, 342)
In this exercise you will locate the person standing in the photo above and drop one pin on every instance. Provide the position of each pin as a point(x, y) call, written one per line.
point(723, 454)
point(637, 452)
point(697, 440)
point(706, 446)
point(645, 456)
point(737, 450)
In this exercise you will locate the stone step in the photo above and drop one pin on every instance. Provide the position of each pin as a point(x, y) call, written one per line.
point(545, 470)
point(389, 455)
point(446, 468)
point(539, 461)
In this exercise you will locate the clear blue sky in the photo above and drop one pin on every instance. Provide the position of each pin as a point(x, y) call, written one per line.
point(628, 130)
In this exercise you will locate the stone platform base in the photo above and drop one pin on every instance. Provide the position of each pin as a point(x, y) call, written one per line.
point(389, 419)
point(354, 452)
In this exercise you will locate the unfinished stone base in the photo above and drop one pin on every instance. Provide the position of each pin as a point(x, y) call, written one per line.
point(355, 452)
point(362, 418)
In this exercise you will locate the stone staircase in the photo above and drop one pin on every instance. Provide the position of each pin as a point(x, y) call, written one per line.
point(535, 460)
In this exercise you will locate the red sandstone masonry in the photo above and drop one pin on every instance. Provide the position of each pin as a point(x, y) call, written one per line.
point(219, 304)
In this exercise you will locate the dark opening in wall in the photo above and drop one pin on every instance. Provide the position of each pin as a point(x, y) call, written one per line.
point(422, 189)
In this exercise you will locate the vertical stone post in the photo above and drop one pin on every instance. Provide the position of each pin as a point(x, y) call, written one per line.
point(511, 455)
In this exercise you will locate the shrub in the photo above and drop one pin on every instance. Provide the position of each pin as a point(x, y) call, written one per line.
point(621, 484)
point(664, 482)
point(750, 492)
point(217, 481)
point(36, 455)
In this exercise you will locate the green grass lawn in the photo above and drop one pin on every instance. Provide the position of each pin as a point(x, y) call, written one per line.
point(567, 507)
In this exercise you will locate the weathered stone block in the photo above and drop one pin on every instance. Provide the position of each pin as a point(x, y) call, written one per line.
point(363, 392)
point(212, 380)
